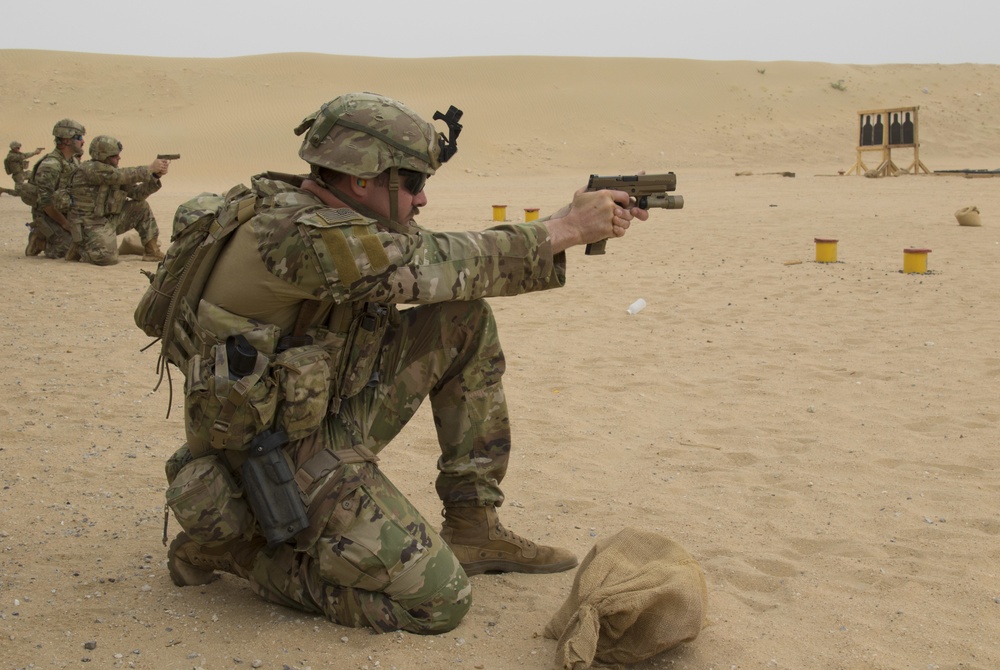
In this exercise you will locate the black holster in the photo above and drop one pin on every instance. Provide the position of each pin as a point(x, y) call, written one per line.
point(270, 488)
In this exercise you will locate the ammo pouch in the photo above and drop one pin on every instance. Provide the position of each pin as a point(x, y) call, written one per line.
point(207, 503)
point(354, 341)
point(303, 376)
point(364, 343)
point(114, 202)
point(225, 410)
point(104, 200)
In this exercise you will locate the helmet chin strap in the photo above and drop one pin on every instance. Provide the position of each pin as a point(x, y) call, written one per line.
point(394, 193)
point(389, 223)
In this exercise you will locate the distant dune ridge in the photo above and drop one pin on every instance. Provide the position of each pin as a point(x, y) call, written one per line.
point(231, 116)
point(820, 437)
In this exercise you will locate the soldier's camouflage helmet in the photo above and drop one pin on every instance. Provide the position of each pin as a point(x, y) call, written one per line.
point(15, 145)
point(103, 147)
point(365, 134)
point(67, 129)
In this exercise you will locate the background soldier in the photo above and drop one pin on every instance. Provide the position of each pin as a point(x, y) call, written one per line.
point(109, 200)
point(16, 165)
point(315, 276)
point(50, 229)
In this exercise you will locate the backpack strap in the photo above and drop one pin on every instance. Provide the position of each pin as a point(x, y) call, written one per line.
point(239, 208)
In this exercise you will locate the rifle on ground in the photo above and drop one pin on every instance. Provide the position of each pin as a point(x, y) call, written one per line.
point(649, 190)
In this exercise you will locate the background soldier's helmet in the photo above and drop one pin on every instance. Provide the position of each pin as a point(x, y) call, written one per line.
point(67, 129)
point(15, 145)
point(103, 147)
point(364, 134)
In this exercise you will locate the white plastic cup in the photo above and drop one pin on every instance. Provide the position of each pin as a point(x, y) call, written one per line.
point(636, 306)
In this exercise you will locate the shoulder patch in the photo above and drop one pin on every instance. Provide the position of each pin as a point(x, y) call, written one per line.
point(338, 216)
point(346, 242)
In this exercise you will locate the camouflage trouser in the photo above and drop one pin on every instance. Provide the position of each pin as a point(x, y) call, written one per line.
point(100, 234)
point(376, 561)
point(19, 178)
point(57, 238)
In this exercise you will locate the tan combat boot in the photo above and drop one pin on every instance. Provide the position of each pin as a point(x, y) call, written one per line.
point(73, 253)
point(36, 244)
point(482, 544)
point(151, 250)
point(191, 564)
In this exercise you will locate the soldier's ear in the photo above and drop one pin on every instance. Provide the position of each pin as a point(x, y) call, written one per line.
point(357, 187)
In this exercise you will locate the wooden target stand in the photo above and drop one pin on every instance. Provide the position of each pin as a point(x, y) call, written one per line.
point(883, 130)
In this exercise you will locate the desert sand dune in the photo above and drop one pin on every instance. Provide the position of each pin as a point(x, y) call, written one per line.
point(820, 436)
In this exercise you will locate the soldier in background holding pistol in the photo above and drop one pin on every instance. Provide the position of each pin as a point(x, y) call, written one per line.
point(109, 200)
point(16, 165)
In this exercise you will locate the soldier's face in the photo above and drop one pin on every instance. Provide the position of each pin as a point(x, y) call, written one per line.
point(408, 204)
point(113, 160)
point(77, 143)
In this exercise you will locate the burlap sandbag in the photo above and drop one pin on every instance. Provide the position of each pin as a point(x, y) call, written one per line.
point(636, 594)
point(968, 216)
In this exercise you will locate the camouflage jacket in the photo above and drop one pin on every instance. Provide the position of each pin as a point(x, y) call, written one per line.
point(52, 175)
point(296, 248)
point(16, 163)
point(98, 189)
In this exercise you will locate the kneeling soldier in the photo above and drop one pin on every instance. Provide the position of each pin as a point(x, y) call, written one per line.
point(109, 200)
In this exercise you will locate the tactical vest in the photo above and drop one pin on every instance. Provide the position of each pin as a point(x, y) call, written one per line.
point(304, 375)
point(92, 198)
point(109, 200)
point(61, 199)
point(250, 389)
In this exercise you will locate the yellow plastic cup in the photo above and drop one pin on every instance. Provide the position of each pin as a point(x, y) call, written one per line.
point(499, 212)
point(915, 261)
point(530, 214)
point(826, 250)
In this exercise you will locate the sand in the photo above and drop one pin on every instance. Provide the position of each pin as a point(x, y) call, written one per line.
point(820, 436)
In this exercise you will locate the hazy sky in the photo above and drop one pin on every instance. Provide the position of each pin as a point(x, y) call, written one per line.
point(833, 31)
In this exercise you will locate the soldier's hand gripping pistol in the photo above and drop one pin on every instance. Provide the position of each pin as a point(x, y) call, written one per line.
point(649, 190)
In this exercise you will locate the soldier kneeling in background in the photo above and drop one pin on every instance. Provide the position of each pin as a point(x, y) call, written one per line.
point(109, 200)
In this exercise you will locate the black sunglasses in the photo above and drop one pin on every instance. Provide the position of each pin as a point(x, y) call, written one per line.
point(413, 182)
point(78, 138)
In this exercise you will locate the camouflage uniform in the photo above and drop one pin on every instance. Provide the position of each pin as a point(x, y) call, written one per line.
point(341, 370)
point(107, 201)
point(369, 557)
point(52, 177)
point(17, 163)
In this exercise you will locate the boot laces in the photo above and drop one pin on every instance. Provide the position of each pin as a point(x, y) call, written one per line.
point(512, 537)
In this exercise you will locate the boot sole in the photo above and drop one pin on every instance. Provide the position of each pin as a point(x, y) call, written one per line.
point(499, 566)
